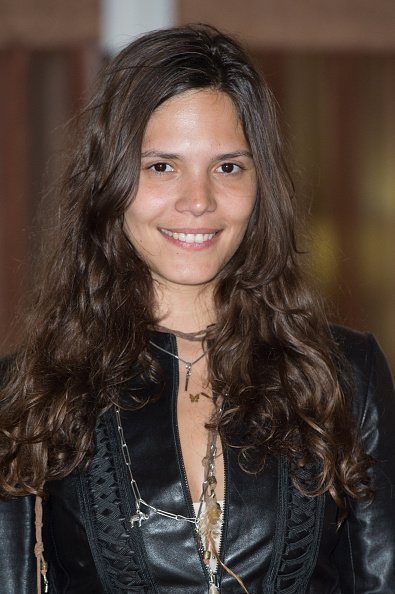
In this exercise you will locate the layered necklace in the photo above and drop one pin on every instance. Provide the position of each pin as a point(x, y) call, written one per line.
point(188, 364)
point(206, 522)
point(191, 336)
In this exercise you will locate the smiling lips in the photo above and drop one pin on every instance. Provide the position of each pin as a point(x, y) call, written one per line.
point(189, 238)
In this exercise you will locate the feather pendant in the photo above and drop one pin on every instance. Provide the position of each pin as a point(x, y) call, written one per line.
point(209, 523)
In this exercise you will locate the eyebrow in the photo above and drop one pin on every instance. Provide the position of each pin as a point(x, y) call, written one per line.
point(159, 154)
point(219, 157)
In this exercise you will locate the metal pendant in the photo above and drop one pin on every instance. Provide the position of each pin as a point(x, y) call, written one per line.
point(213, 589)
point(188, 371)
point(137, 518)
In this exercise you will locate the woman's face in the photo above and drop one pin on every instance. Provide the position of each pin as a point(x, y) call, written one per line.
point(196, 191)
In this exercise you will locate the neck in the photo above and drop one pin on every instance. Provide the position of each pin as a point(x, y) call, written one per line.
point(185, 307)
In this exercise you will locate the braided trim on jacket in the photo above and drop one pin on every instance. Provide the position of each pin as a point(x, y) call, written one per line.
point(117, 550)
point(303, 518)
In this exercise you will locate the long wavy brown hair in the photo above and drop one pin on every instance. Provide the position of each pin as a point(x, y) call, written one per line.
point(271, 352)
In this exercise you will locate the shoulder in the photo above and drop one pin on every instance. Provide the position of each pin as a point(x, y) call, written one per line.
point(372, 388)
point(358, 348)
point(362, 358)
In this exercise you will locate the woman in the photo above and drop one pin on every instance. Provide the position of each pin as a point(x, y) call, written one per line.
point(180, 402)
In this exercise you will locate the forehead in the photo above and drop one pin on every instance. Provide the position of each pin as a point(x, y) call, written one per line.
point(205, 95)
point(198, 113)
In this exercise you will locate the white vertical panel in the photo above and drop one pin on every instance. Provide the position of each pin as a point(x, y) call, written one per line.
point(122, 20)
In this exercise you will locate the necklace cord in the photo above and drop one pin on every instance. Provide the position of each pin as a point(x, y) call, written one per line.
point(196, 336)
point(191, 363)
point(188, 364)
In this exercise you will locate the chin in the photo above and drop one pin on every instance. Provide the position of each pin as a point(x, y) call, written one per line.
point(187, 278)
point(193, 281)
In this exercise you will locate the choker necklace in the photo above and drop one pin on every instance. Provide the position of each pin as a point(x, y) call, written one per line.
point(188, 364)
point(197, 336)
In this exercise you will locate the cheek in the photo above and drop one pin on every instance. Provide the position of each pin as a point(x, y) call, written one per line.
point(136, 216)
point(133, 227)
point(146, 208)
point(128, 224)
point(247, 199)
point(244, 215)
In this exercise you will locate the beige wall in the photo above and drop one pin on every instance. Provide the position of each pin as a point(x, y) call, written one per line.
point(48, 57)
point(300, 24)
point(48, 23)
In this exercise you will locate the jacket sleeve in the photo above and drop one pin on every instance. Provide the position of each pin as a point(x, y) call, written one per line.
point(17, 534)
point(17, 538)
point(365, 554)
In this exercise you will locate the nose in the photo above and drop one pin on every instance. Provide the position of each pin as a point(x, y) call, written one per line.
point(196, 196)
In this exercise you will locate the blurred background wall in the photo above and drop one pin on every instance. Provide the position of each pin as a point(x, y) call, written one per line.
point(331, 65)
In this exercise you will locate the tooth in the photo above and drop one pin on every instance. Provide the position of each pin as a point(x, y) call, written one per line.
point(188, 237)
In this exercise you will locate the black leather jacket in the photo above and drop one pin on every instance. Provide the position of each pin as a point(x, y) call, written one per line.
point(275, 539)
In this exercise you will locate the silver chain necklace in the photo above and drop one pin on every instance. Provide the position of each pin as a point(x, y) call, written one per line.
point(188, 364)
point(139, 516)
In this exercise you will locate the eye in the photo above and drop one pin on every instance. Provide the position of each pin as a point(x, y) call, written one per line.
point(229, 168)
point(161, 167)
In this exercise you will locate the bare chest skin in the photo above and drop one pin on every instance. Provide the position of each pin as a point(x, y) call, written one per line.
point(193, 414)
